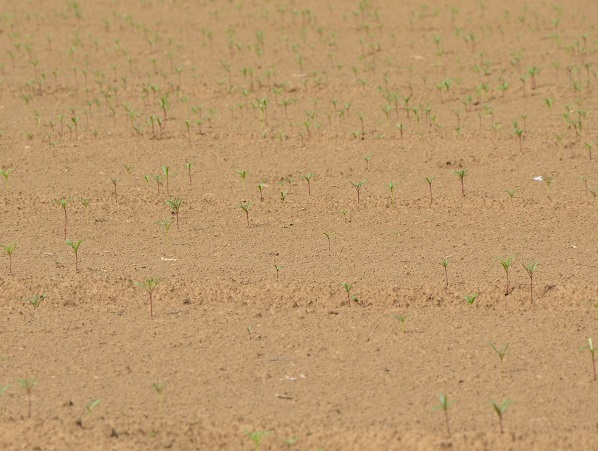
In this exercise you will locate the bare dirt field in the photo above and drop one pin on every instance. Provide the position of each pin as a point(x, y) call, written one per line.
point(324, 201)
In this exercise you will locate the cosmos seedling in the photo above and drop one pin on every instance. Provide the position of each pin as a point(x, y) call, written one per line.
point(506, 264)
point(500, 410)
point(278, 269)
point(530, 268)
point(590, 347)
point(63, 204)
point(27, 385)
point(347, 287)
point(128, 168)
point(159, 389)
point(402, 319)
point(261, 187)
point(175, 206)
point(36, 299)
point(158, 179)
point(85, 201)
point(149, 285)
point(391, 187)
point(74, 245)
point(445, 263)
point(367, 159)
point(188, 167)
point(307, 178)
point(6, 173)
point(249, 330)
point(166, 172)
point(246, 206)
point(519, 133)
point(511, 192)
point(357, 186)
point(344, 213)
point(165, 224)
point(114, 182)
point(283, 196)
point(444, 406)
point(500, 352)
point(430, 180)
point(590, 146)
point(470, 298)
point(585, 179)
point(289, 442)
point(92, 405)
point(9, 249)
point(461, 173)
point(257, 436)
point(243, 175)
point(328, 236)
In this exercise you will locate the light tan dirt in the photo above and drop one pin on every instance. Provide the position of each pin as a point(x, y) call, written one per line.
point(238, 347)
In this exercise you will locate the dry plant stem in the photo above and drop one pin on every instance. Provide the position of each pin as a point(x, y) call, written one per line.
point(448, 425)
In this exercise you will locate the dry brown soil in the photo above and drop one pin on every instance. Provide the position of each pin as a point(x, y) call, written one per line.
point(239, 348)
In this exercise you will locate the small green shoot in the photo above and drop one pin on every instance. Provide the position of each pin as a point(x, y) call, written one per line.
point(188, 167)
point(278, 269)
point(246, 206)
point(165, 224)
point(159, 389)
point(328, 236)
point(391, 187)
point(506, 264)
point(470, 298)
point(249, 330)
point(461, 173)
point(27, 385)
point(128, 168)
point(307, 178)
point(367, 159)
point(511, 192)
point(92, 405)
point(430, 180)
point(36, 299)
point(585, 179)
point(530, 268)
point(63, 204)
point(6, 173)
point(357, 186)
point(74, 245)
point(114, 182)
point(261, 187)
point(444, 406)
point(257, 436)
point(500, 352)
point(590, 347)
point(9, 249)
point(500, 410)
point(445, 263)
point(166, 172)
point(347, 287)
point(402, 319)
point(175, 206)
point(243, 175)
point(289, 442)
point(149, 285)
point(283, 196)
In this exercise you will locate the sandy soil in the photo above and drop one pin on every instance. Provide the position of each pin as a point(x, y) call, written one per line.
point(252, 329)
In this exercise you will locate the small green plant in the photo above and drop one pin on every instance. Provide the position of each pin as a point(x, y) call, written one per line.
point(149, 285)
point(530, 268)
point(500, 410)
point(158, 179)
point(500, 352)
point(430, 180)
point(445, 263)
point(519, 133)
point(461, 173)
point(328, 236)
point(246, 206)
point(511, 192)
point(115, 182)
point(585, 179)
point(470, 298)
point(92, 405)
point(9, 249)
point(506, 264)
point(289, 442)
point(175, 206)
point(63, 204)
point(261, 187)
point(243, 175)
point(166, 173)
point(307, 178)
point(6, 173)
point(74, 245)
point(159, 389)
point(36, 299)
point(590, 146)
point(367, 159)
point(27, 385)
point(257, 436)
point(188, 167)
point(590, 347)
point(444, 406)
point(348, 287)
point(345, 213)
point(128, 168)
point(402, 319)
point(357, 186)
point(249, 330)
point(85, 201)
point(165, 224)
point(278, 269)
point(391, 187)
point(283, 196)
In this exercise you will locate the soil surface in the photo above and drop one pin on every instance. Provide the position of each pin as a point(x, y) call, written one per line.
point(322, 315)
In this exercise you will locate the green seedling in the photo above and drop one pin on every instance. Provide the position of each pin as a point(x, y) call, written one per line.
point(63, 204)
point(128, 168)
point(500, 410)
point(289, 442)
point(114, 182)
point(500, 352)
point(74, 245)
point(590, 146)
point(188, 167)
point(470, 298)
point(166, 172)
point(530, 268)
point(430, 180)
point(328, 236)
point(175, 206)
point(519, 133)
point(444, 406)
point(278, 269)
point(548, 181)
point(6, 173)
point(391, 187)
point(9, 249)
point(261, 187)
point(511, 192)
point(257, 436)
point(345, 213)
point(461, 173)
point(149, 285)
point(506, 264)
point(243, 175)
point(2, 391)
point(92, 405)
point(249, 330)
point(159, 389)
point(165, 224)
point(36, 299)
point(367, 159)
point(246, 206)
point(348, 286)
point(357, 186)
point(307, 178)
point(27, 385)
point(283, 196)
point(402, 319)
point(445, 263)
point(359, 301)
point(85, 201)
point(585, 179)
point(590, 347)
point(397, 234)
point(158, 179)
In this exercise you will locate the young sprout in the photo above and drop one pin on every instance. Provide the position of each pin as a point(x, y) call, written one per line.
point(149, 285)
point(530, 268)
point(128, 168)
point(402, 319)
point(500, 410)
point(246, 206)
point(461, 173)
point(348, 286)
point(367, 159)
point(27, 385)
point(590, 347)
point(85, 201)
point(430, 180)
point(585, 179)
point(289, 442)
point(249, 329)
point(357, 186)
point(589, 146)
point(188, 167)
point(63, 203)
point(470, 298)
point(257, 436)
point(344, 213)
point(328, 236)
point(9, 249)
point(6, 173)
point(175, 206)
point(165, 224)
point(391, 187)
point(278, 269)
point(444, 406)
point(159, 389)
point(500, 352)
point(511, 192)
point(445, 263)
point(166, 172)
point(307, 178)
point(36, 299)
point(506, 264)
point(74, 245)
point(114, 182)
point(548, 181)
point(283, 196)
point(92, 405)
point(243, 175)
point(261, 187)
